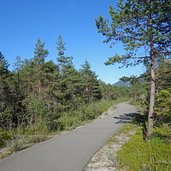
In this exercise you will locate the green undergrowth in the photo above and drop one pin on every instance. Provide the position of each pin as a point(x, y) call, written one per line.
point(86, 114)
point(154, 154)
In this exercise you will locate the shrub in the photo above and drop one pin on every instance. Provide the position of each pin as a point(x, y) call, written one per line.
point(4, 136)
point(140, 155)
point(16, 144)
point(67, 122)
point(6, 119)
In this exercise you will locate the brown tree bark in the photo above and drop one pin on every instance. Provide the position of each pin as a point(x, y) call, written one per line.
point(152, 81)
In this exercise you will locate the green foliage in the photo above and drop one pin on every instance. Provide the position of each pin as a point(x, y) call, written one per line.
point(39, 52)
point(4, 136)
point(155, 153)
point(129, 23)
point(139, 94)
point(163, 99)
point(37, 128)
point(91, 89)
point(140, 155)
point(40, 97)
point(163, 105)
point(67, 122)
point(5, 95)
point(6, 119)
point(163, 132)
point(22, 142)
point(63, 61)
point(36, 109)
point(39, 92)
point(83, 114)
point(93, 110)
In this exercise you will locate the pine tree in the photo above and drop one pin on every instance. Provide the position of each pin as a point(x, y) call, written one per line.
point(163, 99)
point(17, 93)
point(91, 86)
point(4, 73)
point(40, 53)
point(140, 24)
point(52, 86)
point(63, 61)
point(72, 79)
point(5, 95)
point(69, 77)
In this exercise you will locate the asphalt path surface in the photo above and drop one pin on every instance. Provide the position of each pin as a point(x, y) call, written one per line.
point(70, 151)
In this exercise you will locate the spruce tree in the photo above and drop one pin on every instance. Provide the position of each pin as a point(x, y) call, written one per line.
point(5, 95)
point(69, 78)
point(4, 73)
point(91, 86)
point(18, 93)
point(40, 53)
point(63, 60)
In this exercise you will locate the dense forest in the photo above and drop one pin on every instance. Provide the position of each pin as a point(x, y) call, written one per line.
point(39, 96)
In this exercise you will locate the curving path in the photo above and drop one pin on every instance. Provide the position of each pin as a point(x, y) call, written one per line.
point(70, 151)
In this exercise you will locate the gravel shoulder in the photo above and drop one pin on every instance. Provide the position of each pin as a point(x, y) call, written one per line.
point(105, 159)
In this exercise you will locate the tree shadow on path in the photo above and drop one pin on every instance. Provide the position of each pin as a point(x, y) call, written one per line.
point(130, 117)
point(135, 118)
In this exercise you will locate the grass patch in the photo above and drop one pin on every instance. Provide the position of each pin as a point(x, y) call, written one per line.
point(4, 136)
point(123, 130)
point(152, 155)
point(22, 142)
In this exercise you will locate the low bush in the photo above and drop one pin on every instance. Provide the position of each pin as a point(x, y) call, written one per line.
point(72, 119)
point(16, 144)
point(67, 122)
point(140, 155)
point(4, 136)
point(93, 110)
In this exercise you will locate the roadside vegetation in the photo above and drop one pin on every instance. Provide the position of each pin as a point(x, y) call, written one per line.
point(40, 98)
point(154, 154)
point(24, 137)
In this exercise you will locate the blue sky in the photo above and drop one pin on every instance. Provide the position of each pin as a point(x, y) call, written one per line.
point(24, 21)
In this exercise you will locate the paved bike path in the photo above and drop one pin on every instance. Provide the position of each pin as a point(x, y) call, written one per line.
point(70, 151)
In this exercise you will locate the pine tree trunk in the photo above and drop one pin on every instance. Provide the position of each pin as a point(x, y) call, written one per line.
point(151, 105)
point(152, 81)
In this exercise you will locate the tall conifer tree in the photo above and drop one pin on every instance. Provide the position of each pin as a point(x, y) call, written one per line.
point(90, 83)
point(138, 24)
